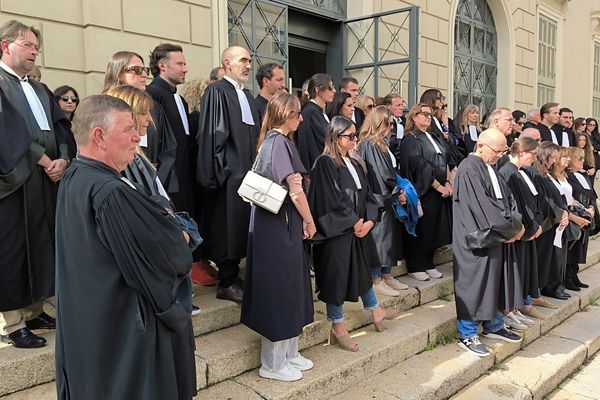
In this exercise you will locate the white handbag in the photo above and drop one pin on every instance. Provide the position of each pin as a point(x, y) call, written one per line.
point(260, 190)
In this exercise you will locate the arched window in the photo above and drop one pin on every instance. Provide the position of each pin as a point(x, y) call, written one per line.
point(475, 56)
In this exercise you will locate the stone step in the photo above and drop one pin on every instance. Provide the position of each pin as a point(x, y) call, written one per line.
point(223, 354)
point(535, 371)
point(582, 385)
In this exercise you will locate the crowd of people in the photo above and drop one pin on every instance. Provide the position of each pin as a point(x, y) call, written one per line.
point(131, 196)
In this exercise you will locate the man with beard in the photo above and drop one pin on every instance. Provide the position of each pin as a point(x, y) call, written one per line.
point(227, 138)
point(271, 80)
point(563, 128)
point(485, 224)
point(549, 115)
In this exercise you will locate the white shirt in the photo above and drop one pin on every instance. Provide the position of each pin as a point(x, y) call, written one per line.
point(437, 122)
point(399, 128)
point(582, 180)
point(433, 143)
point(473, 133)
point(244, 105)
point(495, 183)
point(352, 172)
point(34, 101)
point(392, 157)
point(554, 139)
point(182, 114)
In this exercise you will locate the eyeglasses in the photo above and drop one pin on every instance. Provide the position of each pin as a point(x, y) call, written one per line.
point(504, 150)
point(67, 98)
point(29, 46)
point(350, 136)
point(440, 97)
point(295, 114)
point(370, 106)
point(426, 114)
point(136, 69)
point(521, 123)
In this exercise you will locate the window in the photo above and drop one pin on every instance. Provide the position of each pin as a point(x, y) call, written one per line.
point(596, 92)
point(546, 60)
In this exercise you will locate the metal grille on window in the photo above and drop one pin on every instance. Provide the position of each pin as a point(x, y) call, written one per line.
point(381, 51)
point(475, 56)
point(596, 88)
point(261, 27)
point(546, 60)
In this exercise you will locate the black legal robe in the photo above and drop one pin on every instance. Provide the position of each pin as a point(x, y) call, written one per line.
point(342, 261)
point(359, 117)
point(546, 135)
point(27, 195)
point(226, 150)
point(595, 142)
point(381, 176)
point(162, 92)
point(420, 164)
point(454, 144)
point(484, 271)
point(395, 141)
point(578, 252)
point(121, 260)
point(310, 135)
point(558, 130)
point(525, 249)
point(162, 149)
point(261, 106)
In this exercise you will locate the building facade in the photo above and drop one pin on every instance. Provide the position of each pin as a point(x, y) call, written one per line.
point(514, 53)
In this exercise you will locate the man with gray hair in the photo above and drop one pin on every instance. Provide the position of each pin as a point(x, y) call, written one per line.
point(533, 118)
point(29, 179)
point(124, 327)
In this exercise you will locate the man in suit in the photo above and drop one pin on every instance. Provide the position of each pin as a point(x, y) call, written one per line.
point(227, 137)
point(549, 115)
point(563, 129)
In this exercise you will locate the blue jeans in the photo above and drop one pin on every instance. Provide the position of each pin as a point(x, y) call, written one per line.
point(467, 329)
point(335, 313)
point(527, 300)
point(376, 272)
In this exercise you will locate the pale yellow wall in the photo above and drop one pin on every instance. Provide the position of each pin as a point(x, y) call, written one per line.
point(79, 36)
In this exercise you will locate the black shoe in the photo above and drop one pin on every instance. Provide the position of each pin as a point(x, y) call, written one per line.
point(503, 334)
point(577, 282)
point(233, 293)
point(24, 339)
point(566, 294)
point(572, 286)
point(559, 296)
point(474, 346)
point(195, 310)
point(43, 321)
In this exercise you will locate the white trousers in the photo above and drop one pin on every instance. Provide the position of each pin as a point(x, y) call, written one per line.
point(14, 320)
point(274, 355)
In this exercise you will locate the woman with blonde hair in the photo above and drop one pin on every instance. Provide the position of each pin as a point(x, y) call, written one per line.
point(381, 174)
point(366, 104)
point(424, 161)
point(467, 122)
point(277, 300)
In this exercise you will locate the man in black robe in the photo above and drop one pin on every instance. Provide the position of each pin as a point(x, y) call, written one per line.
point(350, 85)
point(563, 129)
point(486, 223)
point(227, 138)
point(271, 80)
point(395, 103)
point(549, 117)
point(33, 159)
point(122, 259)
point(502, 120)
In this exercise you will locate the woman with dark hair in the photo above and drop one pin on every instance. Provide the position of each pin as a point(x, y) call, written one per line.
point(67, 99)
point(467, 122)
point(342, 104)
point(582, 139)
point(523, 153)
point(519, 119)
point(381, 174)
point(591, 126)
point(443, 127)
point(277, 300)
point(344, 211)
point(311, 132)
point(424, 162)
point(583, 195)
point(579, 125)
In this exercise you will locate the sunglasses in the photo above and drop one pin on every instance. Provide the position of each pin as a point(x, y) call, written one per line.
point(138, 70)
point(67, 98)
point(426, 114)
point(350, 136)
point(370, 106)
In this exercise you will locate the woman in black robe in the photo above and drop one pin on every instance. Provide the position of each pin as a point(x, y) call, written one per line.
point(381, 174)
point(345, 211)
point(467, 124)
point(583, 194)
point(522, 154)
point(277, 301)
point(311, 132)
point(424, 162)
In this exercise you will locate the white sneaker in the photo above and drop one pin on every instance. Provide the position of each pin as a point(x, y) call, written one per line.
point(513, 322)
point(195, 310)
point(434, 273)
point(395, 283)
point(523, 319)
point(420, 276)
point(382, 289)
point(302, 363)
point(287, 374)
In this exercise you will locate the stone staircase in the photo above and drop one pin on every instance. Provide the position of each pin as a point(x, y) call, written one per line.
point(414, 358)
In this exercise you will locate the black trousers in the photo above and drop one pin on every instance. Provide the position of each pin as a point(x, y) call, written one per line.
point(228, 272)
